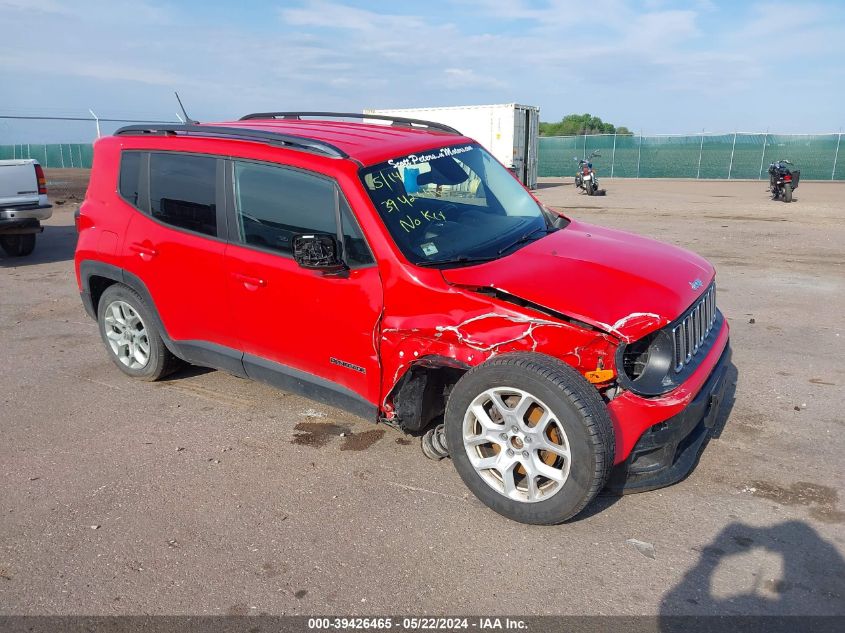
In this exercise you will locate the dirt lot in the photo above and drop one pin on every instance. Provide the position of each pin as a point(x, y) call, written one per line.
point(212, 495)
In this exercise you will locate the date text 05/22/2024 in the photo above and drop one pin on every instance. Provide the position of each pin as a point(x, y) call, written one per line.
point(418, 624)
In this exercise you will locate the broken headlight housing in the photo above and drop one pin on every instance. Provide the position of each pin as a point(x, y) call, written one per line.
point(646, 366)
point(664, 359)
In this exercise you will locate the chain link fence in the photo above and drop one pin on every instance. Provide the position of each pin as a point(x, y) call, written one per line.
point(67, 155)
point(35, 125)
point(718, 156)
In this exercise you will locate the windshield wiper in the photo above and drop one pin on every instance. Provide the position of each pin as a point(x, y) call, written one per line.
point(525, 238)
point(457, 260)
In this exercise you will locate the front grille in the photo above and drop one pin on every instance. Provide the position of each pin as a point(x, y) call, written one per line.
point(689, 335)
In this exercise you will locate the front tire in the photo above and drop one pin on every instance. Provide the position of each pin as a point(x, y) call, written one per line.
point(530, 437)
point(18, 245)
point(130, 335)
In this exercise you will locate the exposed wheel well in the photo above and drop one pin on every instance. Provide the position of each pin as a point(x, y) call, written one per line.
point(420, 396)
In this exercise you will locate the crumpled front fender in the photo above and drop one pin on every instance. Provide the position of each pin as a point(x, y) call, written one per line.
point(477, 337)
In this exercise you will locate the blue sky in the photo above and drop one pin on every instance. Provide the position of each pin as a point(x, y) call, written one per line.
point(660, 66)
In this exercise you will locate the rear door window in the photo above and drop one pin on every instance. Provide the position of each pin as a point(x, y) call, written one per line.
point(183, 191)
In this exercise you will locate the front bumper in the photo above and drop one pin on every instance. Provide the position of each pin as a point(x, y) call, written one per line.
point(667, 452)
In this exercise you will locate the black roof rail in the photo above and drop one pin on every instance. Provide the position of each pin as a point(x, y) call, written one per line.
point(243, 133)
point(394, 120)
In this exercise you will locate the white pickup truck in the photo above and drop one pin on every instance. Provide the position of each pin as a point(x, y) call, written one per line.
point(23, 204)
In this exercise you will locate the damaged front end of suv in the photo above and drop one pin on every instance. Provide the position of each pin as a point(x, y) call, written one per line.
point(554, 352)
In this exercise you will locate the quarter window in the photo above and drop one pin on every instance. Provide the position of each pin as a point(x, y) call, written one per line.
point(130, 169)
point(355, 248)
point(183, 191)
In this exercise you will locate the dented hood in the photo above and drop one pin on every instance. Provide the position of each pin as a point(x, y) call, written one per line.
point(619, 282)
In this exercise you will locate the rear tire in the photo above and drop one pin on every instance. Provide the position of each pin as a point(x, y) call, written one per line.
point(18, 245)
point(131, 336)
point(787, 193)
point(529, 437)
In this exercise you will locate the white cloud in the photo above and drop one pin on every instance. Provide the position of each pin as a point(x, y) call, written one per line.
point(72, 65)
point(466, 77)
point(636, 62)
point(47, 6)
point(324, 13)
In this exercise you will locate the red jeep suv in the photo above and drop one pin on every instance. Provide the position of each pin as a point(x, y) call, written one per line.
point(393, 268)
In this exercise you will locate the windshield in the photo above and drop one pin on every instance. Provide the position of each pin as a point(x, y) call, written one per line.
point(453, 205)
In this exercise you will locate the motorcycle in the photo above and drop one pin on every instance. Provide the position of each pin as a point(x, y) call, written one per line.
point(585, 177)
point(782, 180)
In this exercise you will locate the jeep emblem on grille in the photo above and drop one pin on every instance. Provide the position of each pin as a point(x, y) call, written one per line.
point(695, 285)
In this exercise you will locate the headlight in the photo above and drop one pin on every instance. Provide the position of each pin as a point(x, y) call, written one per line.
point(662, 360)
point(646, 366)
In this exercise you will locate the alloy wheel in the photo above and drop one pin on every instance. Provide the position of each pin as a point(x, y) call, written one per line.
point(127, 335)
point(516, 444)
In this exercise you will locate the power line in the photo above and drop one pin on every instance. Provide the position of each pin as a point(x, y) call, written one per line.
point(73, 118)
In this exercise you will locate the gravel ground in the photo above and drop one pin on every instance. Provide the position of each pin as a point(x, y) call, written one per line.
point(207, 494)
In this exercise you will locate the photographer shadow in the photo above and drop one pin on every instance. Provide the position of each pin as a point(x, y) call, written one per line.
point(811, 582)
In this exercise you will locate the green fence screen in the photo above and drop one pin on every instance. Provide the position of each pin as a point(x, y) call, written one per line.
point(740, 156)
point(68, 155)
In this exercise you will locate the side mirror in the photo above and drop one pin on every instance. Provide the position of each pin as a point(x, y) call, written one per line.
point(318, 251)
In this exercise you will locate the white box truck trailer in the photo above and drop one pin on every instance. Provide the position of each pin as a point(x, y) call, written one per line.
point(508, 131)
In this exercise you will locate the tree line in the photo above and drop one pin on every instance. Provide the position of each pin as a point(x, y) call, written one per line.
point(578, 124)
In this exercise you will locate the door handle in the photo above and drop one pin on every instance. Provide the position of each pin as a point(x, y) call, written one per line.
point(249, 281)
point(146, 252)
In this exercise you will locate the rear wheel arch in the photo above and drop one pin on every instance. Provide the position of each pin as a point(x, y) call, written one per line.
point(97, 285)
point(129, 332)
point(97, 277)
